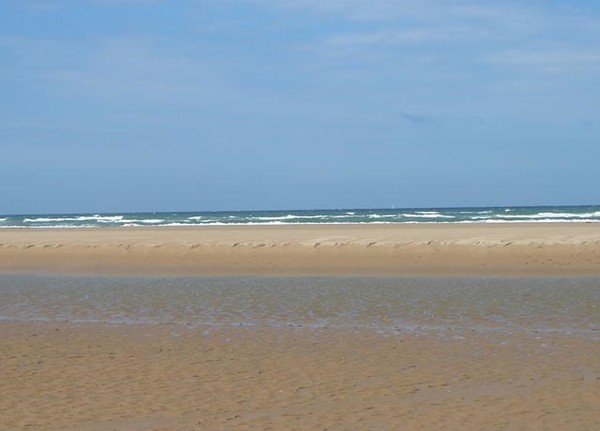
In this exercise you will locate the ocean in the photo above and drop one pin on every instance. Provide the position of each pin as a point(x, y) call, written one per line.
point(581, 214)
point(449, 306)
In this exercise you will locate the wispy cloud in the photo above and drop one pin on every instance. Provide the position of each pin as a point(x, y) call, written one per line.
point(502, 34)
point(40, 5)
point(551, 59)
point(506, 13)
point(134, 69)
point(112, 68)
point(46, 5)
point(349, 43)
point(416, 118)
point(406, 57)
point(509, 16)
point(114, 2)
point(362, 10)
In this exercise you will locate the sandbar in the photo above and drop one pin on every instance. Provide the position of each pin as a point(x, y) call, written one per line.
point(535, 249)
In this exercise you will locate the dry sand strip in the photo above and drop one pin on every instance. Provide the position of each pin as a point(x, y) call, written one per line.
point(91, 378)
point(484, 249)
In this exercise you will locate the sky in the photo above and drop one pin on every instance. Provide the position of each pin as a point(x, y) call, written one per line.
point(150, 105)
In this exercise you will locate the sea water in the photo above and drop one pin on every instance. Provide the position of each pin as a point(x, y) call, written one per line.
point(580, 214)
point(387, 305)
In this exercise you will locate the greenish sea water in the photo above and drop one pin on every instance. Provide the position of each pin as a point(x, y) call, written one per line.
point(583, 214)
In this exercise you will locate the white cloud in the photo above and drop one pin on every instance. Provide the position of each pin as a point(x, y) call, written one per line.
point(367, 44)
point(493, 34)
point(41, 5)
point(390, 37)
point(499, 12)
point(45, 5)
point(135, 69)
point(117, 68)
point(549, 59)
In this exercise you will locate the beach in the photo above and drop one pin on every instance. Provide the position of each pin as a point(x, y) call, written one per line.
point(299, 215)
point(442, 249)
point(337, 327)
point(79, 377)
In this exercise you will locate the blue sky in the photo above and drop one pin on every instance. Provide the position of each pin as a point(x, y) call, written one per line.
point(149, 105)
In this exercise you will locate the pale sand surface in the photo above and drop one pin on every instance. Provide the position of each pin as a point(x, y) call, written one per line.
point(164, 377)
point(519, 249)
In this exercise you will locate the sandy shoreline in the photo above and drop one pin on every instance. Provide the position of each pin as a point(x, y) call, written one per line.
point(93, 377)
point(486, 249)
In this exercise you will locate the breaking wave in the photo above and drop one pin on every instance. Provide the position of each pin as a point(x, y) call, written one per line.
point(585, 214)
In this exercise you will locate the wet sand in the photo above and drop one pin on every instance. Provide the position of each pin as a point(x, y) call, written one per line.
point(477, 249)
point(86, 377)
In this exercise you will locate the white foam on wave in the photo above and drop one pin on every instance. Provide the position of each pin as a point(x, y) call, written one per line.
point(146, 221)
point(542, 215)
point(102, 219)
point(302, 217)
point(280, 222)
point(427, 215)
point(45, 219)
point(287, 217)
point(64, 226)
point(545, 220)
point(463, 215)
point(203, 219)
point(275, 222)
point(98, 218)
point(174, 224)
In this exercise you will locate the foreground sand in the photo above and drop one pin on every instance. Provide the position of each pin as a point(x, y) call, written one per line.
point(519, 249)
point(57, 377)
